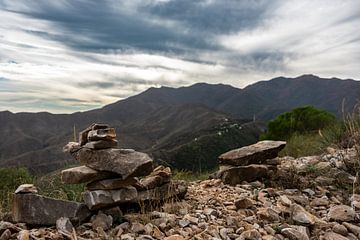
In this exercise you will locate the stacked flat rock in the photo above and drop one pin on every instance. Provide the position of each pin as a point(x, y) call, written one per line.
point(248, 163)
point(112, 175)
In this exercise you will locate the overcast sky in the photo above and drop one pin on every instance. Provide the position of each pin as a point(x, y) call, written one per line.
point(75, 55)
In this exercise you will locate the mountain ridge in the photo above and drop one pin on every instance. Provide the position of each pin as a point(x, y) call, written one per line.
point(159, 116)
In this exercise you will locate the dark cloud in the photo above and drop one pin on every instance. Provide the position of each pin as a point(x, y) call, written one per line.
point(213, 17)
point(104, 25)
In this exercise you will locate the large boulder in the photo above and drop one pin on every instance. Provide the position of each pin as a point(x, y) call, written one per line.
point(83, 174)
point(253, 154)
point(125, 162)
point(236, 175)
point(39, 210)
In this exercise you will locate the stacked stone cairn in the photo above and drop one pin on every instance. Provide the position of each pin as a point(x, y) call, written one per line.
point(112, 181)
point(249, 163)
point(112, 174)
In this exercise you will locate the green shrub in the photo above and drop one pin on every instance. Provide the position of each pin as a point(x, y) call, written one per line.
point(300, 145)
point(298, 121)
point(51, 186)
point(10, 179)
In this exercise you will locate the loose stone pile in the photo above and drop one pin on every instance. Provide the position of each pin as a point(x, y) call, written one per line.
point(111, 173)
point(249, 163)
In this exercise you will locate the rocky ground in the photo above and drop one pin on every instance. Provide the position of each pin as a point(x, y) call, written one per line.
point(304, 198)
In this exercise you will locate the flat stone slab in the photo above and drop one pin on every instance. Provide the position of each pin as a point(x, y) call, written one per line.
point(125, 162)
point(84, 174)
point(253, 154)
point(34, 209)
point(111, 184)
point(106, 198)
point(236, 175)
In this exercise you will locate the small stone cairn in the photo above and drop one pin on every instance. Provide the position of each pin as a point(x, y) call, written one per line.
point(112, 174)
point(249, 163)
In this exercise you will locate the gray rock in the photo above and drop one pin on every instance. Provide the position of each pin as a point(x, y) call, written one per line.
point(243, 203)
point(83, 136)
point(126, 162)
point(26, 188)
point(294, 234)
point(110, 184)
point(107, 198)
point(352, 228)
point(158, 177)
point(253, 154)
point(64, 226)
point(39, 210)
point(302, 217)
point(237, 175)
point(83, 174)
point(102, 134)
point(340, 229)
point(101, 220)
point(101, 144)
point(341, 213)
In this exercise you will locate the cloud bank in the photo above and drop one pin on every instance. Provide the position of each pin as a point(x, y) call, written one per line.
point(75, 55)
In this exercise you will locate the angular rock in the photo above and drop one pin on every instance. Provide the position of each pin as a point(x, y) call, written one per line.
point(107, 198)
point(302, 217)
point(243, 203)
point(83, 136)
point(110, 184)
point(253, 154)
point(115, 213)
point(237, 175)
point(26, 188)
point(126, 162)
point(102, 134)
point(83, 174)
point(352, 228)
point(101, 220)
point(39, 210)
point(158, 177)
point(101, 144)
point(268, 214)
point(64, 226)
point(341, 213)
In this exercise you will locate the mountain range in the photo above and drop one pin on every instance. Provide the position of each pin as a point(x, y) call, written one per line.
point(161, 120)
